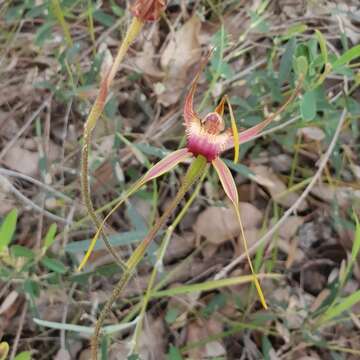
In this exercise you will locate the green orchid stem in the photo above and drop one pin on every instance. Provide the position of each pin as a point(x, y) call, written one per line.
point(159, 262)
point(195, 171)
point(95, 113)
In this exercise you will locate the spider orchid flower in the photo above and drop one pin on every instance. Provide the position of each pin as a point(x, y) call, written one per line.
point(207, 139)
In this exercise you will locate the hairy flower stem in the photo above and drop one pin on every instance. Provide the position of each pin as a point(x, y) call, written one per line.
point(193, 174)
point(95, 113)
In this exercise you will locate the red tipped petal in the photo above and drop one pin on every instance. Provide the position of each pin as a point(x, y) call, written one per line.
point(166, 164)
point(189, 113)
point(227, 180)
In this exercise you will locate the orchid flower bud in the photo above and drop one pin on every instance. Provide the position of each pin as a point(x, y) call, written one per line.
point(148, 10)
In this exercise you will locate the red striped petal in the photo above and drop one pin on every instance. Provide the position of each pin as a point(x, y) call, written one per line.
point(227, 180)
point(229, 186)
point(166, 164)
point(189, 113)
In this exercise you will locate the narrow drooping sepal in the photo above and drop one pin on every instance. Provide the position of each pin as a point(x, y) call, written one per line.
point(162, 167)
point(230, 189)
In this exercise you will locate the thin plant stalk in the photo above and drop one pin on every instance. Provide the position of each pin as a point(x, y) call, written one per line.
point(159, 262)
point(56, 8)
point(95, 113)
point(194, 173)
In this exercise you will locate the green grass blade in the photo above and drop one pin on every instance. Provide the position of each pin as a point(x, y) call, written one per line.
point(343, 305)
point(348, 56)
point(7, 229)
point(322, 42)
point(50, 236)
point(111, 329)
point(59, 15)
point(119, 239)
point(356, 246)
point(212, 285)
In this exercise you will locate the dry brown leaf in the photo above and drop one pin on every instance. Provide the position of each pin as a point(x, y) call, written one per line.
point(318, 301)
point(251, 235)
point(184, 304)
point(356, 170)
point(209, 250)
point(350, 27)
point(278, 188)
point(22, 160)
point(8, 125)
point(24, 156)
point(85, 354)
point(9, 93)
point(290, 227)
point(196, 333)
point(214, 349)
point(182, 51)
point(313, 356)
point(152, 339)
point(145, 61)
point(118, 351)
point(199, 331)
point(281, 162)
point(283, 331)
point(312, 133)
point(49, 303)
point(179, 246)
point(219, 224)
point(62, 354)
point(8, 302)
point(6, 201)
point(341, 194)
